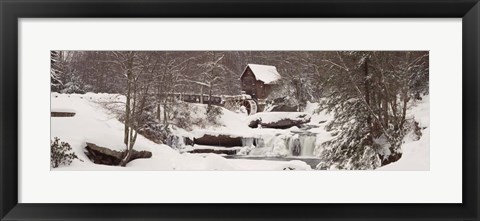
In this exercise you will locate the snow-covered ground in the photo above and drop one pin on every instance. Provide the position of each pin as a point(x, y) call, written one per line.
point(92, 123)
point(415, 154)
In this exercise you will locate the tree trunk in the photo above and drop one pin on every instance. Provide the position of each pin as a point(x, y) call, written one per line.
point(128, 121)
point(405, 96)
point(209, 98)
point(127, 104)
point(386, 117)
point(210, 84)
point(404, 111)
point(159, 101)
point(201, 94)
point(158, 112)
point(369, 140)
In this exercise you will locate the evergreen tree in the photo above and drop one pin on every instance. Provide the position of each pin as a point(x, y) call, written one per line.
point(368, 96)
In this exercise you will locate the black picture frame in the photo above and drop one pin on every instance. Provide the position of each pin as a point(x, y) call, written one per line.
point(12, 10)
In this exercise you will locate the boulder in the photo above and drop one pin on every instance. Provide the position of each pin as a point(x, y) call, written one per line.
point(254, 123)
point(106, 156)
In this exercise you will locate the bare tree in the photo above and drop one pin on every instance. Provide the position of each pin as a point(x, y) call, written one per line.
point(135, 68)
point(169, 78)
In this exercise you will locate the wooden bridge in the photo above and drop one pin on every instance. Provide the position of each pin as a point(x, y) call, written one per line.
point(230, 102)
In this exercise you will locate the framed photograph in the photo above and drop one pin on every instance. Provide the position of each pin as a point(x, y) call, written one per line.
point(239, 110)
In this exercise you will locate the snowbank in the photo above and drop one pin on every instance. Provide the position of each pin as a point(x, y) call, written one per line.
point(416, 154)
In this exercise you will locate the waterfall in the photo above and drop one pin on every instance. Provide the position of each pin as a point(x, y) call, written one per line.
point(294, 146)
point(307, 142)
point(176, 142)
point(259, 142)
point(281, 145)
point(247, 141)
point(181, 142)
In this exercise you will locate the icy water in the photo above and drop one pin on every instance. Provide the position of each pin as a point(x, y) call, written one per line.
point(313, 162)
point(298, 144)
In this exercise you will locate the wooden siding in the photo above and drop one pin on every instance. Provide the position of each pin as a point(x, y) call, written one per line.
point(253, 87)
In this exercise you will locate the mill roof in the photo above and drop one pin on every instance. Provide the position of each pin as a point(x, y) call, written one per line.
point(266, 73)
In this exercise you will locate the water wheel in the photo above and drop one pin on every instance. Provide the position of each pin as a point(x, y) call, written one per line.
point(251, 106)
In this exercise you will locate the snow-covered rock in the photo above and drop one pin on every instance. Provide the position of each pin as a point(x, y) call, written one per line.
point(280, 120)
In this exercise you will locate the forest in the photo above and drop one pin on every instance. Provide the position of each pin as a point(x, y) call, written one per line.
point(367, 98)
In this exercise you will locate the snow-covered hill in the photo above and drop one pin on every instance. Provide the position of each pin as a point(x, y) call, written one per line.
point(93, 123)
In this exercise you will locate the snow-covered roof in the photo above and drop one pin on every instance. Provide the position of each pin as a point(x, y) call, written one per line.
point(266, 73)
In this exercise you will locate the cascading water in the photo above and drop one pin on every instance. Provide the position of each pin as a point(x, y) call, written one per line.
point(181, 142)
point(259, 142)
point(299, 144)
point(307, 142)
point(248, 141)
point(263, 145)
point(294, 147)
point(176, 142)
